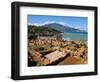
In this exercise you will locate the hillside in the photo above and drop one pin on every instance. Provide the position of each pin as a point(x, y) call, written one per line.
point(62, 28)
point(34, 31)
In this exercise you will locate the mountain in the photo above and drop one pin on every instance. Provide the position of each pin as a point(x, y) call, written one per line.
point(62, 28)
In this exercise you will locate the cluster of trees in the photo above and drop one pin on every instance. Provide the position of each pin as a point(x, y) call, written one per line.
point(34, 31)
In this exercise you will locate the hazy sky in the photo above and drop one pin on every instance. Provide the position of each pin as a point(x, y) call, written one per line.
point(75, 22)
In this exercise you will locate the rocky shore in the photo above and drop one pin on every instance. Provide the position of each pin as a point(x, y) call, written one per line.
point(56, 52)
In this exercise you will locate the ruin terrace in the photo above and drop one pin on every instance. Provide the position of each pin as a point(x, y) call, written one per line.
point(56, 52)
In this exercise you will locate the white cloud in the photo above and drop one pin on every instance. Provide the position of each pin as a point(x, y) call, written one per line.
point(39, 24)
point(34, 24)
point(78, 27)
point(62, 23)
point(81, 28)
point(47, 22)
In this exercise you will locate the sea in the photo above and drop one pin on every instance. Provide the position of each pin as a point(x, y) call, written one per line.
point(82, 36)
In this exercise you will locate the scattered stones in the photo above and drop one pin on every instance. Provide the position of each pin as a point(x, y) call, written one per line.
point(45, 52)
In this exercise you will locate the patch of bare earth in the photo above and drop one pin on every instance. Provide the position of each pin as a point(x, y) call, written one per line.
point(69, 60)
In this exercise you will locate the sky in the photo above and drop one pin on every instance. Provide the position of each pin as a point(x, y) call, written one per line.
point(72, 21)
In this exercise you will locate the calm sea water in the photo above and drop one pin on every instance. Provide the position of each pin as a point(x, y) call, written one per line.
point(75, 36)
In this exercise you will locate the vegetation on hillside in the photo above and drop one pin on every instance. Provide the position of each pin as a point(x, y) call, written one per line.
point(34, 31)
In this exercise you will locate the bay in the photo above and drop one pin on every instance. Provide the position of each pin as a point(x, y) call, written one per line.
point(75, 36)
